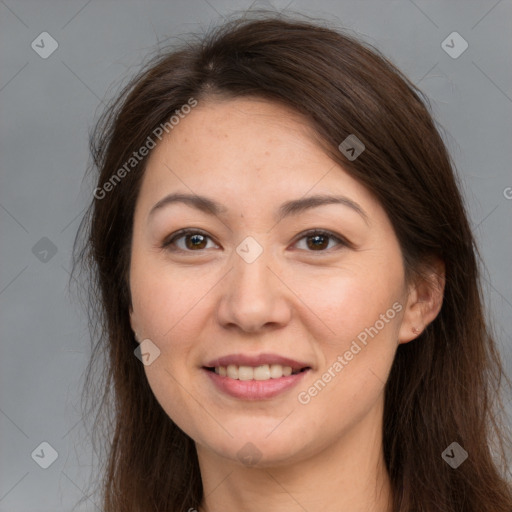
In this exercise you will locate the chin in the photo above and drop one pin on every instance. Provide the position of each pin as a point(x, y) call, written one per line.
point(259, 450)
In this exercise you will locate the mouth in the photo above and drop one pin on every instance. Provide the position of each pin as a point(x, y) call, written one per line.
point(255, 377)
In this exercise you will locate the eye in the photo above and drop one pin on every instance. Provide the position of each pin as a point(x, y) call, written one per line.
point(193, 240)
point(319, 240)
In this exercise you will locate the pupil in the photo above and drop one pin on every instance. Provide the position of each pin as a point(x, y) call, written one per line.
point(317, 238)
point(196, 241)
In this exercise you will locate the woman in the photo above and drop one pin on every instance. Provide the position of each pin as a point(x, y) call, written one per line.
point(287, 286)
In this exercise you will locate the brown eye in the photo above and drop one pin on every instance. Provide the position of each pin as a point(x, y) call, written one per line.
point(319, 241)
point(196, 241)
point(193, 241)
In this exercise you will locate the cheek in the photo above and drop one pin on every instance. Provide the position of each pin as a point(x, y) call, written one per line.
point(362, 308)
point(352, 300)
point(164, 299)
point(167, 308)
point(357, 357)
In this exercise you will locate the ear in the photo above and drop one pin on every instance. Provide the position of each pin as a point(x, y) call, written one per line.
point(424, 300)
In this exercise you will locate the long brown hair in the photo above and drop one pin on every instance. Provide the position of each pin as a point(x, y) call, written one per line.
point(444, 387)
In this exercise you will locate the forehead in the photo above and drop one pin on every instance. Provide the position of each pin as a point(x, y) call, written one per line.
point(247, 150)
point(239, 131)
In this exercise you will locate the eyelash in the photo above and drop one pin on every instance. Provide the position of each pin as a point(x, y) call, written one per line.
point(343, 242)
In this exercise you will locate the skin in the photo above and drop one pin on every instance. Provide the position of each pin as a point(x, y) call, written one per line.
point(295, 300)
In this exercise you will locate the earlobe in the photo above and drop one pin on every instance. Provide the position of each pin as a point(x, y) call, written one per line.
point(424, 302)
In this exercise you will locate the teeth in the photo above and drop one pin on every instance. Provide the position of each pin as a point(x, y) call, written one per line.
point(245, 373)
point(232, 371)
point(263, 372)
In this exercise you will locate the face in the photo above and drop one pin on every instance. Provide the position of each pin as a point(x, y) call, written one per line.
point(267, 281)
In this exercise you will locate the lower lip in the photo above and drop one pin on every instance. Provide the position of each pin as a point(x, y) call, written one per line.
point(255, 389)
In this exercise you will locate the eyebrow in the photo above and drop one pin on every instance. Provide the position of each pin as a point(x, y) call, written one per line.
point(287, 209)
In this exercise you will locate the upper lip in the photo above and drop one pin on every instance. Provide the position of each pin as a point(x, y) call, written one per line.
point(256, 360)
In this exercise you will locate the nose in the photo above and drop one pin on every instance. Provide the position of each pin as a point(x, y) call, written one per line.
point(253, 296)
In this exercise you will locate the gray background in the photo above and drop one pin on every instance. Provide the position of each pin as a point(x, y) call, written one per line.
point(49, 105)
